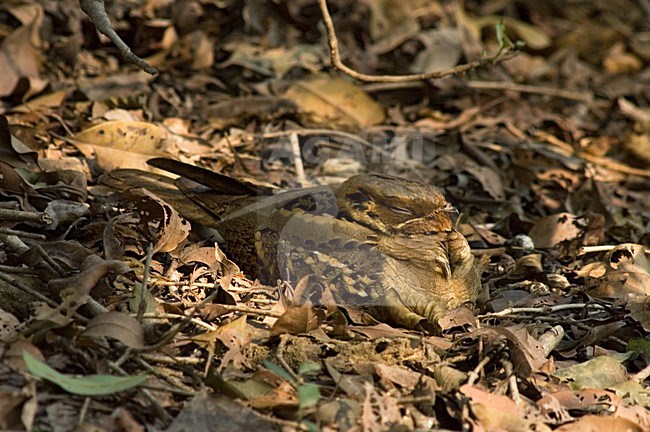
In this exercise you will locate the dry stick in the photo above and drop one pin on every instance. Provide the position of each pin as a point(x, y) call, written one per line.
point(297, 159)
point(590, 249)
point(11, 241)
point(253, 311)
point(279, 354)
point(166, 359)
point(551, 339)
point(541, 310)
point(489, 251)
point(602, 248)
point(343, 135)
point(96, 11)
point(18, 270)
point(642, 374)
point(512, 382)
point(473, 375)
point(302, 132)
point(28, 290)
point(416, 399)
point(84, 411)
point(337, 63)
point(49, 260)
point(604, 161)
point(173, 331)
point(33, 236)
point(25, 216)
point(164, 416)
point(176, 389)
point(196, 321)
point(145, 278)
point(522, 88)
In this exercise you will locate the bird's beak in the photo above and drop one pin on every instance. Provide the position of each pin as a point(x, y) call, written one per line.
point(448, 208)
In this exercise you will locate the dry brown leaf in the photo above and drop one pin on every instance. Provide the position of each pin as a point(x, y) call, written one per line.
point(497, 412)
point(553, 229)
point(335, 101)
point(595, 423)
point(391, 23)
point(122, 144)
point(624, 270)
point(19, 55)
point(491, 181)
point(296, 320)
point(116, 325)
point(405, 378)
point(173, 228)
point(238, 324)
point(639, 307)
point(93, 269)
point(442, 50)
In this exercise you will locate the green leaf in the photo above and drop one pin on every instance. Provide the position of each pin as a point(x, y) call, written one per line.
point(308, 395)
point(90, 385)
point(639, 346)
point(504, 41)
point(502, 37)
point(308, 367)
point(310, 426)
point(279, 371)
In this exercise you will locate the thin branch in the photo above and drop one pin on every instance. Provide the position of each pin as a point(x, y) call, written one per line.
point(604, 161)
point(338, 64)
point(541, 310)
point(297, 159)
point(96, 11)
point(25, 216)
point(586, 97)
point(145, 278)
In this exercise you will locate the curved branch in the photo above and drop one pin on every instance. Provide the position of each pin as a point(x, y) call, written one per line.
point(96, 11)
point(338, 64)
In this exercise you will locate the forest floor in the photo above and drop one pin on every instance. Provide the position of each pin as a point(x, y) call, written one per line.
point(117, 317)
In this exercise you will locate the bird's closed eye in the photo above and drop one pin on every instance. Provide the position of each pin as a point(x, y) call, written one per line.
point(401, 210)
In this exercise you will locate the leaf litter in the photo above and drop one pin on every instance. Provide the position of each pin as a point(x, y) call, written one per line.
point(544, 154)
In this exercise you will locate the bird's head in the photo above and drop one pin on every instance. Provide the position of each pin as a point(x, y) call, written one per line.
point(394, 206)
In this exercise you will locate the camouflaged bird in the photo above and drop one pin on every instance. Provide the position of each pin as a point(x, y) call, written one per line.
point(381, 243)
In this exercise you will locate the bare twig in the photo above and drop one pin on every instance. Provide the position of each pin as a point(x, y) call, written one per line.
point(25, 216)
point(253, 311)
point(522, 88)
point(541, 310)
point(196, 321)
point(145, 278)
point(642, 374)
point(279, 355)
point(297, 159)
point(489, 251)
point(84, 411)
point(27, 289)
point(14, 243)
point(603, 161)
point(33, 236)
point(476, 373)
point(18, 270)
point(337, 63)
point(155, 404)
point(96, 11)
point(512, 382)
point(551, 339)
